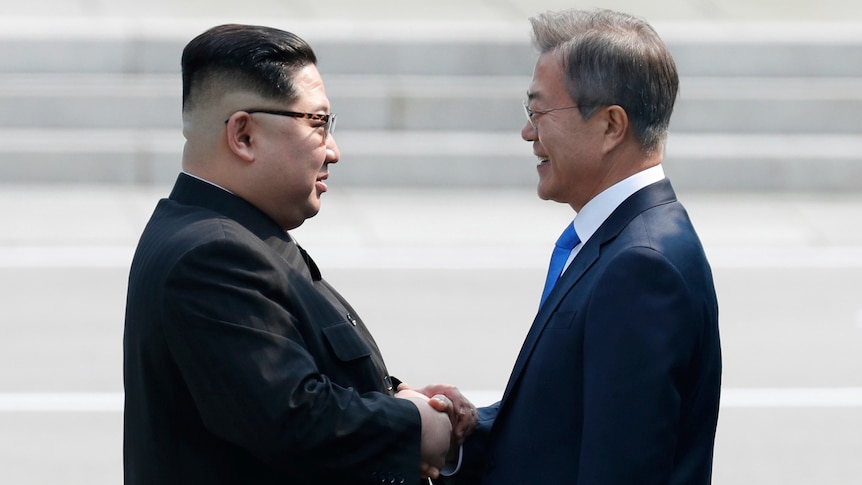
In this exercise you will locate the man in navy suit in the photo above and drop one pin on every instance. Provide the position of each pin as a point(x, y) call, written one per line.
point(242, 365)
point(617, 382)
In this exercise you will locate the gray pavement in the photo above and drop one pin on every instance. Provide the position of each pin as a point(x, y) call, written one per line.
point(448, 281)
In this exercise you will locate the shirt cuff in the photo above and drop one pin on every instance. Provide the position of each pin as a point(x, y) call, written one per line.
point(450, 468)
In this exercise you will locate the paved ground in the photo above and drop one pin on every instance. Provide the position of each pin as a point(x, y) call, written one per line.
point(448, 281)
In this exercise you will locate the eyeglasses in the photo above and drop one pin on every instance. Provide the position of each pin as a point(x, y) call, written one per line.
point(327, 120)
point(530, 113)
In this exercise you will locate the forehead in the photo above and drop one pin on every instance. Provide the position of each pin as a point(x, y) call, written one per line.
point(548, 82)
point(310, 90)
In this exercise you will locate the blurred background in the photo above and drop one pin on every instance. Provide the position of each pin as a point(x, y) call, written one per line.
point(431, 227)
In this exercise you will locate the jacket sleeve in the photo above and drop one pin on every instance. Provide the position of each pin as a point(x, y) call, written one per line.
point(474, 455)
point(232, 329)
point(642, 331)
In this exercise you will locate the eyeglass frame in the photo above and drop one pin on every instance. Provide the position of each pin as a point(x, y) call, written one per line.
point(530, 112)
point(327, 119)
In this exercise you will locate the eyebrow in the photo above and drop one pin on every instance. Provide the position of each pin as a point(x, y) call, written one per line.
point(316, 109)
point(325, 107)
point(531, 95)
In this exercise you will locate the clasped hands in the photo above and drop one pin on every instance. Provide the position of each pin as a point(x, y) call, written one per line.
point(447, 419)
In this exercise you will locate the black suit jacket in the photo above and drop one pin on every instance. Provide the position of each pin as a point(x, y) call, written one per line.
point(618, 380)
point(242, 365)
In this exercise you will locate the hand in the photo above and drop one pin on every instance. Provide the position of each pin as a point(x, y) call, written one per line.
point(436, 430)
point(462, 412)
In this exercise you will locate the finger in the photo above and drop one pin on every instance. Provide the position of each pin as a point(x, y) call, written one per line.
point(429, 471)
point(467, 423)
point(441, 403)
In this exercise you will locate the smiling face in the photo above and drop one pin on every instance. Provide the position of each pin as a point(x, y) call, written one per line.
point(569, 148)
point(290, 157)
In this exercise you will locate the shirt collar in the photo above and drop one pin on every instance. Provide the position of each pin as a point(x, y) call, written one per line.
point(207, 181)
point(600, 207)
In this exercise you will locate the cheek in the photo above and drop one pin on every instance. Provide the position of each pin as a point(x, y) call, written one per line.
point(562, 168)
point(314, 157)
point(301, 160)
point(567, 151)
point(556, 142)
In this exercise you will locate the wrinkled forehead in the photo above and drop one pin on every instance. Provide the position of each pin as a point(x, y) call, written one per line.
point(548, 81)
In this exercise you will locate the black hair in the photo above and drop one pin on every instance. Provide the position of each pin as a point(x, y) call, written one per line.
point(261, 59)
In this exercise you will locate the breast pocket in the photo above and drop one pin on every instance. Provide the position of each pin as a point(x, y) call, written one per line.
point(345, 342)
point(561, 320)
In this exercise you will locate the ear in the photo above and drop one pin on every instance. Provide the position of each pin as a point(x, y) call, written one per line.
point(616, 127)
point(239, 135)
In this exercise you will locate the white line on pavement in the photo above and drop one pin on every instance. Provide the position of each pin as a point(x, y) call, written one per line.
point(61, 402)
point(792, 397)
point(830, 397)
point(833, 257)
point(66, 256)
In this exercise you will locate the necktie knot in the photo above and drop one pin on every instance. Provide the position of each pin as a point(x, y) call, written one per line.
point(562, 249)
point(568, 239)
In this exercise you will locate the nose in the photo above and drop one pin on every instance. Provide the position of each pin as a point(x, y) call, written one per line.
point(333, 155)
point(528, 131)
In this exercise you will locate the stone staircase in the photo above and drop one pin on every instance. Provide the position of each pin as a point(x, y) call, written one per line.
point(759, 109)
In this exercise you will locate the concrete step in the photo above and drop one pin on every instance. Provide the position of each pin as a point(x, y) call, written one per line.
point(700, 49)
point(483, 103)
point(761, 105)
point(730, 161)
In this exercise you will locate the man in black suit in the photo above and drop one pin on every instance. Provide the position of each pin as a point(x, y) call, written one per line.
point(241, 364)
point(618, 380)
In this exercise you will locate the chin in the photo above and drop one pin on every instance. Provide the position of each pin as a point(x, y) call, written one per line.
point(313, 208)
point(543, 191)
point(548, 194)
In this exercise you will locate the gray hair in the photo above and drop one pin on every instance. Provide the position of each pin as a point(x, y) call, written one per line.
point(612, 58)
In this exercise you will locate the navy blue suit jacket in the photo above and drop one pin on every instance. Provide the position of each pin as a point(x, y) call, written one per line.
point(618, 379)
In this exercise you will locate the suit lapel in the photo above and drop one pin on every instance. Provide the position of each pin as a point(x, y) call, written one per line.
point(586, 257)
point(655, 194)
point(295, 256)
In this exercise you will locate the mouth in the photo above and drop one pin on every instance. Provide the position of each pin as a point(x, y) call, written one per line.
point(320, 183)
point(542, 161)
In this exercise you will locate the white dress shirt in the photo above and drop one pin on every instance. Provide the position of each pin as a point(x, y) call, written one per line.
point(600, 207)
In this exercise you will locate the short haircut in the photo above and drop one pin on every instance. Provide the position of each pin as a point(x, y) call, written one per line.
point(611, 58)
point(243, 57)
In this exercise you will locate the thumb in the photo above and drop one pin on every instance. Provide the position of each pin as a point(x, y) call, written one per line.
point(402, 387)
point(441, 403)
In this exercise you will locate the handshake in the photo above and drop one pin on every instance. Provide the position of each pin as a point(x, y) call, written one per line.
point(447, 419)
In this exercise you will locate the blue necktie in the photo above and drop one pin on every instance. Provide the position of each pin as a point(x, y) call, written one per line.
point(567, 241)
